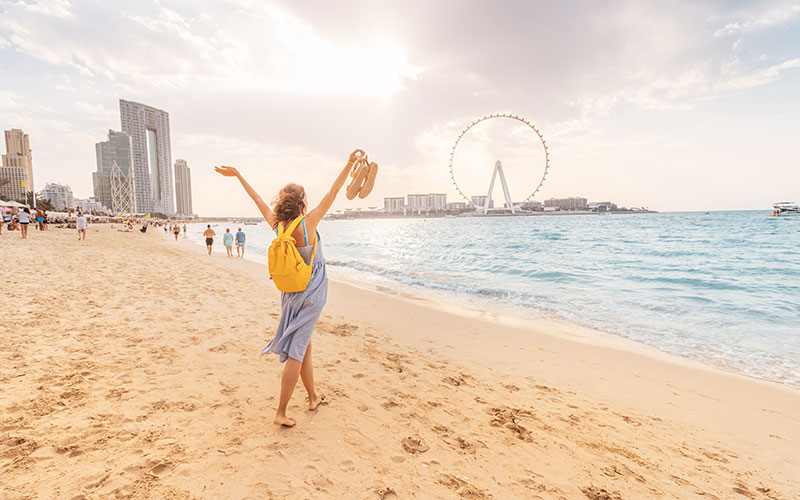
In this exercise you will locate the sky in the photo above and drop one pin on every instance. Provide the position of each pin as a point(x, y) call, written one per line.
point(669, 105)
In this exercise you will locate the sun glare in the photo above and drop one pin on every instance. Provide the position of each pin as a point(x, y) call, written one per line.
point(326, 67)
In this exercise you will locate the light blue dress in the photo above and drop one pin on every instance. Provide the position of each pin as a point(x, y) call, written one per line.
point(300, 310)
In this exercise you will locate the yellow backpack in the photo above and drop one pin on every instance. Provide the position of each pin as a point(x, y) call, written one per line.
point(287, 269)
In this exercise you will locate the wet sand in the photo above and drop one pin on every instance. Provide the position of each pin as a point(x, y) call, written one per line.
point(130, 368)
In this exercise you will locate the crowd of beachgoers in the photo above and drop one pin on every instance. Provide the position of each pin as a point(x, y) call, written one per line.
point(25, 218)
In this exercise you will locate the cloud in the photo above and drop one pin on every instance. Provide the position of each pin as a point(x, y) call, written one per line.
point(9, 100)
point(97, 111)
point(254, 46)
point(756, 78)
point(54, 8)
point(764, 21)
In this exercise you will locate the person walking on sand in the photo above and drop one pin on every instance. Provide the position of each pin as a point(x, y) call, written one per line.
point(24, 218)
point(80, 225)
point(39, 219)
point(209, 234)
point(184, 231)
point(227, 240)
point(176, 230)
point(299, 310)
point(240, 239)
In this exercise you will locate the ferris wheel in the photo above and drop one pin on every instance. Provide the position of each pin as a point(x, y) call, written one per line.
point(498, 168)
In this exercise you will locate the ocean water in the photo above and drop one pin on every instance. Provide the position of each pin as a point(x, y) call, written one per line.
point(722, 287)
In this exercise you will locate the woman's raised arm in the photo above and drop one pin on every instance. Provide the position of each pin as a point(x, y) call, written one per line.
point(262, 206)
point(319, 212)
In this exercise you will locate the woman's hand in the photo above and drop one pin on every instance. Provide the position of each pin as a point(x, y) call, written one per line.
point(227, 171)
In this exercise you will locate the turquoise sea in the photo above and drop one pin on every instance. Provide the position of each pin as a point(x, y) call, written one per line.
point(721, 287)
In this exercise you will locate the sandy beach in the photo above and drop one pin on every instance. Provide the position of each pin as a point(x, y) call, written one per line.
point(130, 368)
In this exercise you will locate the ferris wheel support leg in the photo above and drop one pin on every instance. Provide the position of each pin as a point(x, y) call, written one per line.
point(488, 203)
point(509, 203)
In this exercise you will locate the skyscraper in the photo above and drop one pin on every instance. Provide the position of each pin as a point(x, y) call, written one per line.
point(115, 151)
point(148, 129)
point(18, 155)
point(183, 187)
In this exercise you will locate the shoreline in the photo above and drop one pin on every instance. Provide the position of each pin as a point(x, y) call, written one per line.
point(562, 338)
point(570, 329)
point(132, 371)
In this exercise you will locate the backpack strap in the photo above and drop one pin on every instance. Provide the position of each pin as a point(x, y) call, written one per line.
point(289, 230)
point(313, 250)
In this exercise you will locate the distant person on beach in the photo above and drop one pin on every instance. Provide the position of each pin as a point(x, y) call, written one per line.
point(176, 230)
point(227, 240)
point(209, 234)
point(40, 219)
point(299, 310)
point(24, 218)
point(240, 239)
point(184, 231)
point(80, 225)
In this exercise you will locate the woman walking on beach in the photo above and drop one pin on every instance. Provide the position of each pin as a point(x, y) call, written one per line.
point(24, 217)
point(299, 310)
point(176, 230)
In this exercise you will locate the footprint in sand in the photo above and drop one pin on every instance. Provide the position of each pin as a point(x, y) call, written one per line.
point(390, 404)
point(594, 493)
point(454, 381)
point(386, 493)
point(508, 418)
point(414, 445)
point(463, 488)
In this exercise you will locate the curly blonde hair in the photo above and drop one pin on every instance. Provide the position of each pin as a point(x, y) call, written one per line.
point(289, 204)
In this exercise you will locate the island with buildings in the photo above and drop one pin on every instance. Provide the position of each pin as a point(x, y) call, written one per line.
point(436, 205)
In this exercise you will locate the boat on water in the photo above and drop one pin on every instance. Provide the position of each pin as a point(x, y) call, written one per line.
point(785, 208)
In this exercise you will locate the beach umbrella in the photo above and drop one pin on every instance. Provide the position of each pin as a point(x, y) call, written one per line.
point(13, 204)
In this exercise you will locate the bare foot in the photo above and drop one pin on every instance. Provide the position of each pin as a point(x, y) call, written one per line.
point(284, 421)
point(313, 405)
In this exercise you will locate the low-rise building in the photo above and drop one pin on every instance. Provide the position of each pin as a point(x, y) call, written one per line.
point(417, 202)
point(532, 205)
point(437, 202)
point(602, 206)
point(431, 202)
point(571, 203)
point(480, 201)
point(89, 205)
point(394, 204)
point(457, 206)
